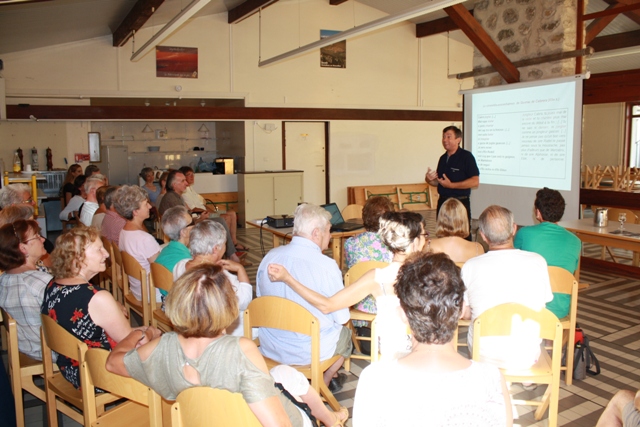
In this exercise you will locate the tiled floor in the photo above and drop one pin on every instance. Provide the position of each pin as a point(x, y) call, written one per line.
point(607, 311)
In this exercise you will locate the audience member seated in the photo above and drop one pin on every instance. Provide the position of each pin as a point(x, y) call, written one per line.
point(23, 282)
point(148, 175)
point(70, 211)
point(623, 410)
point(196, 203)
point(91, 169)
point(176, 185)
point(303, 257)
point(16, 194)
point(433, 382)
point(14, 213)
point(68, 189)
point(500, 276)
point(176, 223)
point(368, 246)
point(132, 204)
point(163, 188)
point(86, 311)
point(206, 243)
point(452, 231)
point(559, 247)
point(91, 204)
point(99, 215)
point(201, 305)
point(403, 233)
point(113, 223)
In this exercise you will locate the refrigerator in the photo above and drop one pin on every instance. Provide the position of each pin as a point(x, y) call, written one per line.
point(114, 164)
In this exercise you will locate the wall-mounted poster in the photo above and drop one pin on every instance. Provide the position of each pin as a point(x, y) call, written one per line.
point(335, 55)
point(174, 61)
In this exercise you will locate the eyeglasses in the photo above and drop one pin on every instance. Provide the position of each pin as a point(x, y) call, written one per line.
point(33, 238)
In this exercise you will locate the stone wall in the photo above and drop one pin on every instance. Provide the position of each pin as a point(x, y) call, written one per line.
point(528, 29)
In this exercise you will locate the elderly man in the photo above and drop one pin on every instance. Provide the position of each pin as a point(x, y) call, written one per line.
point(91, 205)
point(559, 247)
point(457, 172)
point(176, 224)
point(176, 185)
point(503, 275)
point(305, 261)
point(112, 224)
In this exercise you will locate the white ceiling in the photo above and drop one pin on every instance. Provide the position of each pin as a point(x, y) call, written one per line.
point(26, 26)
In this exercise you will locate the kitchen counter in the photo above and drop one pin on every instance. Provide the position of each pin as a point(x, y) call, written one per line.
point(209, 183)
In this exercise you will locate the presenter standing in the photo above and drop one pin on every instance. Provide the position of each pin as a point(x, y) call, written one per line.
point(457, 171)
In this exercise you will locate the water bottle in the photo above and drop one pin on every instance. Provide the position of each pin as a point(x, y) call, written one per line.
point(17, 166)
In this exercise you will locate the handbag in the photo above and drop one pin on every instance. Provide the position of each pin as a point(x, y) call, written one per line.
point(584, 362)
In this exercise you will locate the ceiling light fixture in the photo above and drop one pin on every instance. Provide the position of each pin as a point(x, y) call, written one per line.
point(184, 15)
point(365, 28)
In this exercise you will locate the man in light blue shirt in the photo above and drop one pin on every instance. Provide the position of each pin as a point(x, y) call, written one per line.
point(304, 259)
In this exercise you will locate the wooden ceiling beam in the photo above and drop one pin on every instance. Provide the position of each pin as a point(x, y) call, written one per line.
point(337, 2)
point(485, 44)
point(599, 24)
point(15, 2)
point(135, 19)
point(633, 15)
point(622, 8)
point(247, 9)
point(437, 26)
point(616, 41)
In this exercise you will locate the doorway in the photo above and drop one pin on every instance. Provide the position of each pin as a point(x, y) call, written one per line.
point(305, 148)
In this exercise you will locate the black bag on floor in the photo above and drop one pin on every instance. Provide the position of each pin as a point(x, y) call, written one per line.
point(584, 362)
point(365, 346)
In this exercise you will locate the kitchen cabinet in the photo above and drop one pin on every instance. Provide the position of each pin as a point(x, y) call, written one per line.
point(269, 193)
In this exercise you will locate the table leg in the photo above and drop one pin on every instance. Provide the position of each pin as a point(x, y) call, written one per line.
point(276, 241)
point(336, 250)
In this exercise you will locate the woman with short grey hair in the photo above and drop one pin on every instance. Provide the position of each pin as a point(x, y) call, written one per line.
point(15, 194)
point(129, 198)
point(207, 243)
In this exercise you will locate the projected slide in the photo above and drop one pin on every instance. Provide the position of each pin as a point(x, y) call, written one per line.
point(524, 137)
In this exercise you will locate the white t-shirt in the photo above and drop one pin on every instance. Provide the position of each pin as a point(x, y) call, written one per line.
point(88, 209)
point(73, 206)
point(504, 276)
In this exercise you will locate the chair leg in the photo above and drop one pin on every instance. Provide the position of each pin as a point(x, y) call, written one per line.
point(354, 336)
point(52, 411)
point(329, 397)
point(568, 376)
point(544, 405)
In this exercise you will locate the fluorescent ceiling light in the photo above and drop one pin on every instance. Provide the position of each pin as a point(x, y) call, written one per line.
point(410, 13)
point(170, 27)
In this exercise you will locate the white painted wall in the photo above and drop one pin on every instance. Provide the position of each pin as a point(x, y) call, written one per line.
point(388, 68)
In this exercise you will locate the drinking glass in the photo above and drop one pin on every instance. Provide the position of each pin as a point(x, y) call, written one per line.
point(622, 217)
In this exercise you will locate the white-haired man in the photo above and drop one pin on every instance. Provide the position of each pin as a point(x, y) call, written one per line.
point(305, 261)
point(16, 194)
point(504, 275)
point(91, 205)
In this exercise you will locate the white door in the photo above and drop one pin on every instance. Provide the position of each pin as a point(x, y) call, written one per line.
point(305, 151)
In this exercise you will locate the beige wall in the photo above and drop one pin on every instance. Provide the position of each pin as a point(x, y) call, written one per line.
point(388, 68)
point(603, 137)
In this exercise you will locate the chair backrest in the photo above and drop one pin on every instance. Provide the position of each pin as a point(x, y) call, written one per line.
point(162, 277)
point(562, 281)
point(612, 214)
point(352, 212)
point(210, 407)
point(359, 269)
point(497, 321)
point(95, 374)
point(131, 267)
point(60, 340)
point(10, 336)
point(281, 313)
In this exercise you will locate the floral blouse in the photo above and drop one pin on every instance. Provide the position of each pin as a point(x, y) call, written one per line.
point(366, 247)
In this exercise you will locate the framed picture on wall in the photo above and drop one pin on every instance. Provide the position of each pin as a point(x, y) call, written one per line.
point(94, 147)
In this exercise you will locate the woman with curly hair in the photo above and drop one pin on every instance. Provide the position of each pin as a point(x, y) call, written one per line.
point(433, 382)
point(86, 311)
point(24, 280)
point(132, 203)
point(452, 229)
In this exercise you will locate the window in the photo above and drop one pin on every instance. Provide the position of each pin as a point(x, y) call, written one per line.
point(634, 134)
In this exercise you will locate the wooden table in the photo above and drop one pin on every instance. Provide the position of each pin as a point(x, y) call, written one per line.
point(336, 244)
point(587, 232)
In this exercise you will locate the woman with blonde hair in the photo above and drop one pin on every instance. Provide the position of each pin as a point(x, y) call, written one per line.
point(86, 311)
point(403, 233)
point(201, 306)
point(452, 229)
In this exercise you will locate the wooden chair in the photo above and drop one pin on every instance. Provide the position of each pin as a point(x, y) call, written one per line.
point(632, 218)
point(61, 394)
point(106, 277)
point(131, 267)
point(565, 283)
point(117, 270)
point(351, 276)
point(143, 407)
point(280, 313)
point(352, 212)
point(211, 407)
point(161, 278)
point(498, 321)
point(462, 323)
point(22, 368)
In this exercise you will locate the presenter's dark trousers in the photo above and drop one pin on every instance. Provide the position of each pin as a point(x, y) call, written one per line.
point(466, 201)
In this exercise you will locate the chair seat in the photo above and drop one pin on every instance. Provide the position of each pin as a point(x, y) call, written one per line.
point(542, 371)
point(29, 362)
point(134, 302)
point(163, 321)
point(135, 414)
point(355, 314)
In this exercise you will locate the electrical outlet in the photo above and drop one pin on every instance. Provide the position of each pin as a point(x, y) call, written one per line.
point(161, 134)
